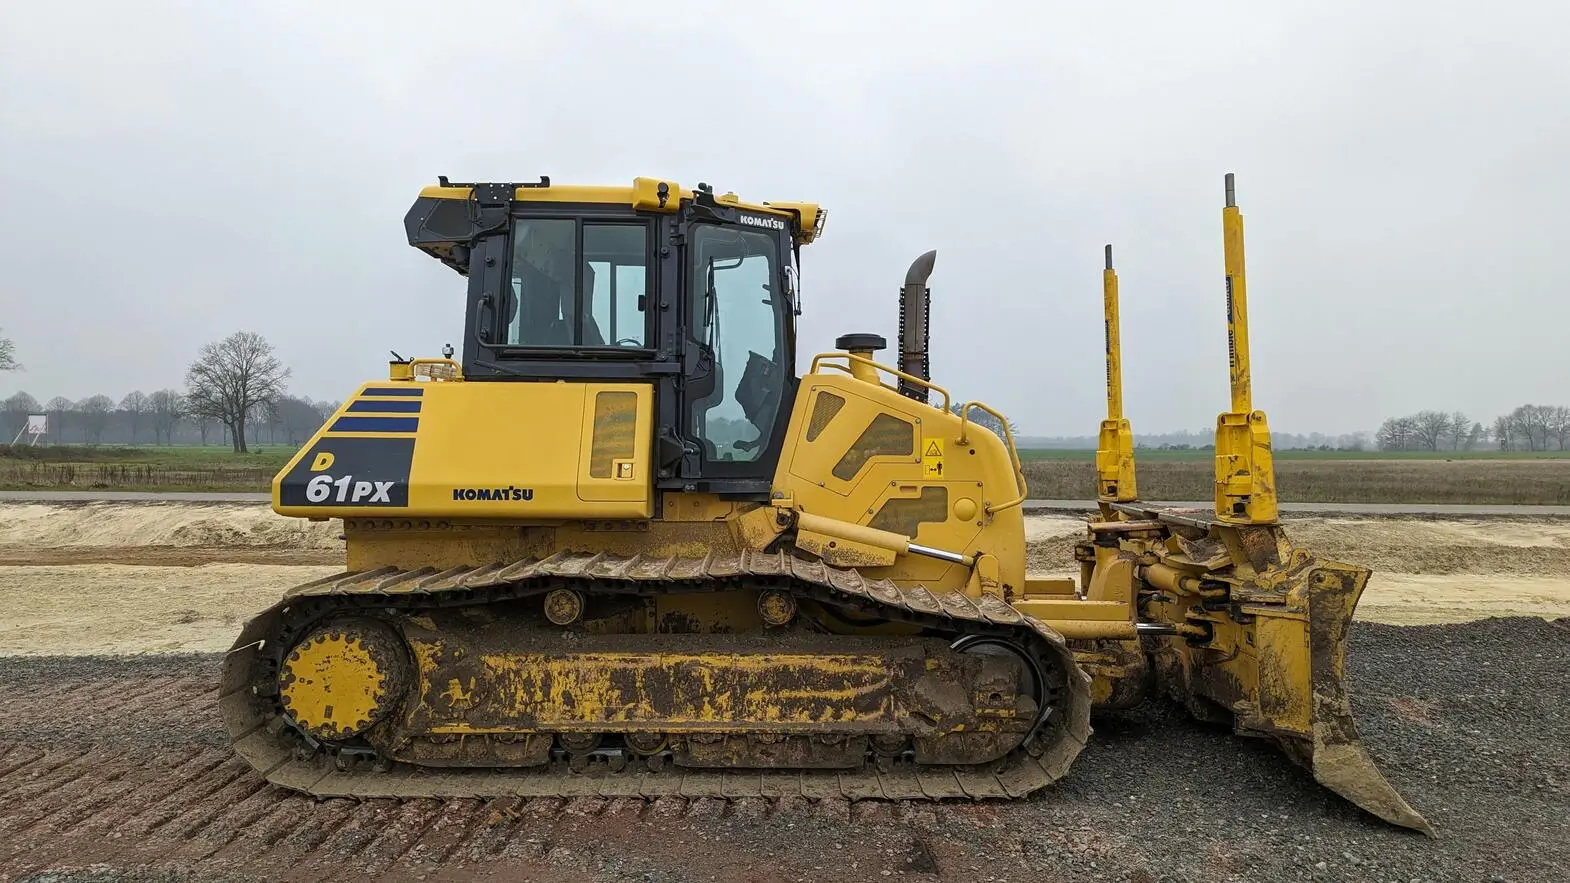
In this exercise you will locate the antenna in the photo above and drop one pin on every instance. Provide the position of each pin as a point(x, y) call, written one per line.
point(1115, 445)
point(1245, 475)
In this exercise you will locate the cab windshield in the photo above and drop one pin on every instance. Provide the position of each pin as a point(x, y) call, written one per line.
point(738, 318)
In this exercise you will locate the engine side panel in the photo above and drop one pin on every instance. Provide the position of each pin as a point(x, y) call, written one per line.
point(863, 453)
point(512, 451)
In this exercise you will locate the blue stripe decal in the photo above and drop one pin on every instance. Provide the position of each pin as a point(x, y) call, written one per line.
point(410, 390)
point(375, 424)
point(385, 407)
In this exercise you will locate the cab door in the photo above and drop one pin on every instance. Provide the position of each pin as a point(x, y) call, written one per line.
point(740, 383)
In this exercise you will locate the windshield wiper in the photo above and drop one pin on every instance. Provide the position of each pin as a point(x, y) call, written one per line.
point(500, 369)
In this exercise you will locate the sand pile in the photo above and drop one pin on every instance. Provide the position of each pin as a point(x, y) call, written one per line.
point(40, 526)
point(1518, 547)
point(1049, 541)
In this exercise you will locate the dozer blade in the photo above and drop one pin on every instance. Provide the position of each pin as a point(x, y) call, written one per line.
point(1339, 759)
point(1259, 643)
point(1259, 627)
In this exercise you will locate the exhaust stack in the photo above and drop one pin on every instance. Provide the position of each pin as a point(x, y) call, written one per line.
point(915, 301)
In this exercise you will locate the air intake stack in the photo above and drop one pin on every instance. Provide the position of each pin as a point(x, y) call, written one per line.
point(915, 300)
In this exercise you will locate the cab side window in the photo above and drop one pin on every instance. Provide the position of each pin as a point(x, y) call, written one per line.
point(615, 283)
point(544, 302)
point(577, 284)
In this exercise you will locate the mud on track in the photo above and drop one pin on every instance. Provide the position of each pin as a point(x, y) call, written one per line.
point(118, 765)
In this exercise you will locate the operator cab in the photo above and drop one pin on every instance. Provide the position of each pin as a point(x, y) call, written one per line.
point(690, 292)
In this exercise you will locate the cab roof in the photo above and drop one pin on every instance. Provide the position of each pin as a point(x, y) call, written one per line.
point(644, 194)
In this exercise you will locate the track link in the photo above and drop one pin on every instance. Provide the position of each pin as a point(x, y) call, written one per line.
point(263, 736)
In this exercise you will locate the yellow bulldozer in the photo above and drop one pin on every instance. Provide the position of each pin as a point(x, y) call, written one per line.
point(618, 547)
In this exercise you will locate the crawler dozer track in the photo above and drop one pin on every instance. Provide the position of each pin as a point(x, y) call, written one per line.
point(464, 726)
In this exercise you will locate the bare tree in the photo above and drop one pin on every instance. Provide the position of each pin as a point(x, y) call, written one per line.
point(1432, 426)
point(16, 408)
point(1558, 419)
point(1504, 433)
point(1540, 420)
point(264, 416)
point(166, 406)
point(1478, 436)
point(8, 360)
point(298, 418)
point(58, 409)
point(234, 378)
point(1459, 425)
point(1397, 434)
point(134, 407)
point(95, 412)
point(1522, 427)
point(1530, 423)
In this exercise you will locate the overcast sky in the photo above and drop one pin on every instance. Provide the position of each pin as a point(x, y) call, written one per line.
point(174, 172)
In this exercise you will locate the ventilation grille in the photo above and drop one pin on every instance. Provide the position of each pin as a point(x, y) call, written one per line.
point(824, 407)
point(615, 429)
point(887, 435)
point(905, 516)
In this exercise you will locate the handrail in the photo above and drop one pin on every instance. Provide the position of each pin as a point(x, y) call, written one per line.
point(457, 369)
point(1008, 435)
point(818, 361)
point(436, 369)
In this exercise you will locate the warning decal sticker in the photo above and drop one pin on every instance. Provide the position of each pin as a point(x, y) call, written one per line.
point(932, 458)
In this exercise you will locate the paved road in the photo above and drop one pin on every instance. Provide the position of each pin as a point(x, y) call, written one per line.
point(1030, 505)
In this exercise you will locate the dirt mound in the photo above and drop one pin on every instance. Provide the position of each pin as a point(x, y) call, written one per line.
point(40, 525)
point(1501, 547)
point(1414, 599)
point(1049, 541)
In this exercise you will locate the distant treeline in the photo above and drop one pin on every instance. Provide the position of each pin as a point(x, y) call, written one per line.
point(1527, 428)
point(163, 417)
point(1206, 439)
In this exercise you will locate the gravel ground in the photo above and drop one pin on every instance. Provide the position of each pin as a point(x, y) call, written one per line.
point(115, 768)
